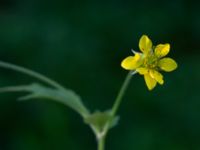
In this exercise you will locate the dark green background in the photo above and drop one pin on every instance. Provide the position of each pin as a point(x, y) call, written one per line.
point(81, 44)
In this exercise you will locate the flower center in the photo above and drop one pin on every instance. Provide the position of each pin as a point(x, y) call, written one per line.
point(151, 62)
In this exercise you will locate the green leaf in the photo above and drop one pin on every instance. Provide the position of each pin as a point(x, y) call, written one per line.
point(99, 120)
point(66, 97)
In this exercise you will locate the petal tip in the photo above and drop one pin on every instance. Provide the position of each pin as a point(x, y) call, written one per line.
point(167, 64)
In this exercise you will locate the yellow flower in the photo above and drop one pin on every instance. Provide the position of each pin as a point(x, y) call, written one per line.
point(150, 62)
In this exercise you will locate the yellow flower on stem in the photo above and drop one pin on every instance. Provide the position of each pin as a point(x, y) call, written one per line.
point(150, 61)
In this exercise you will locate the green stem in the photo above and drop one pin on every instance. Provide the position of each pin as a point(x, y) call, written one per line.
point(121, 93)
point(101, 143)
point(101, 140)
point(31, 73)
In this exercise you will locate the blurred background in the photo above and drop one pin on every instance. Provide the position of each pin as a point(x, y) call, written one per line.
point(80, 44)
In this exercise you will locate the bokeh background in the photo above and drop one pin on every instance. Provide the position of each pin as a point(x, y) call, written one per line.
point(81, 44)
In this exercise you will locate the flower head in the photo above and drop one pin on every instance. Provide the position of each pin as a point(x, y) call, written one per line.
point(150, 61)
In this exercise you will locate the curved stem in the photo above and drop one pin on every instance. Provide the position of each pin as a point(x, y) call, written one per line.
point(31, 73)
point(121, 93)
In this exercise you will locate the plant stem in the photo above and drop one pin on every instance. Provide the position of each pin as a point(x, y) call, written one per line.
point(121, 93)
point(101, 143)
point(101, 140)
point(31, 73)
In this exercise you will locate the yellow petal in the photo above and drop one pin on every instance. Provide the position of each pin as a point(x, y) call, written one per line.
point(167, 64)
point(142, 71)
point(157, 76)
point(162, 50)
point(131, 62)
point(145, 44)
point(150, 82)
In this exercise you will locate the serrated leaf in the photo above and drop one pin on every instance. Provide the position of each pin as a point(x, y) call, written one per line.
point(99, 120)
point(66, 97)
